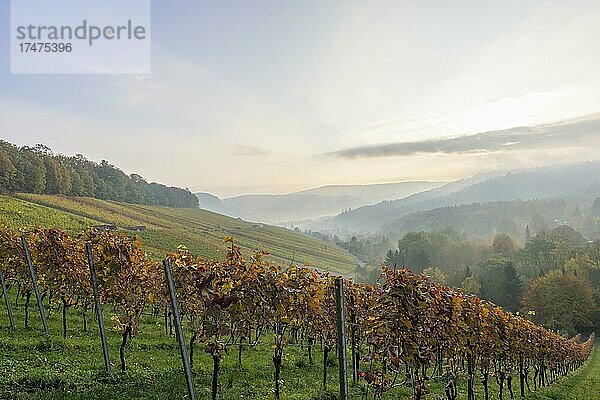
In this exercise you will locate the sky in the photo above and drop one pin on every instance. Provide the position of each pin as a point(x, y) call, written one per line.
point(276, 96)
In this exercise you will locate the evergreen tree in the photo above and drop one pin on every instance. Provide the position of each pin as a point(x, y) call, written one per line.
point(512, 286)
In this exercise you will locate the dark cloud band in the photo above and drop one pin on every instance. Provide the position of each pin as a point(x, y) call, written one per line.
point(580, 132)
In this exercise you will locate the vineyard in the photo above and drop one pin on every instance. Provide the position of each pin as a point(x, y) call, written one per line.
point(166, 228)
point(406, 337)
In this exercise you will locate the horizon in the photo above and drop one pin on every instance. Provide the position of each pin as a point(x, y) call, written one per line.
point(276, 99)
point(224, 192)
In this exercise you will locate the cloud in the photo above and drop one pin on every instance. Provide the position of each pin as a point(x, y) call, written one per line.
point(579, 132)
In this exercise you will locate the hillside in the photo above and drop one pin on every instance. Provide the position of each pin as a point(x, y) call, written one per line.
point(38, 170)
point(484, 220)
point(311, 203)
point(540, 183)
point(166, 228)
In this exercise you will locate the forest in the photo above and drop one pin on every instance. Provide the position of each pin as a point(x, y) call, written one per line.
point(554, 276)
point(38, 170)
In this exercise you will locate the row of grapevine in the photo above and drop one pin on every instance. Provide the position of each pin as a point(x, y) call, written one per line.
point(404, 331)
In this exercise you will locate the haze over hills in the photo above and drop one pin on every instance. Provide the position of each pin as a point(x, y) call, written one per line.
point(374, 193)
point(484, 220)
point(573, 180)
point(311, 203)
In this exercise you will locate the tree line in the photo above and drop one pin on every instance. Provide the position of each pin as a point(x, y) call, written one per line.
point(38, 170)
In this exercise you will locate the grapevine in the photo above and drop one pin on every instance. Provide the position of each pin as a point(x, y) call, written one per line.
point(405, 331)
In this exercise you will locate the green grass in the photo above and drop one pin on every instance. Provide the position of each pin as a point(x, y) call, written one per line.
point(166, 228)
point(34, 368)
point(72, 368)
point(583, 384)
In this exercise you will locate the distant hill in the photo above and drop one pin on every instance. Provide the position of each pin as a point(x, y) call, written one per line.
point(311, 203)
point(539, 183)
point(289, 207)
point(162, 229)
point(368, 219)
point(38, 170)
point(209, 201)
point(484, 220)
point(371, 194)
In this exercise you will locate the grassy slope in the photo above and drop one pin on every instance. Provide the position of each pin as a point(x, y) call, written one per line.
point(72, 368)
point(201, 231)
point(581, 385)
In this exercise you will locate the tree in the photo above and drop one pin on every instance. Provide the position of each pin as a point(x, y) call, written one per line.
point(536, 257)
point(537, 223)
point(562, 252)
point(435, 275)
point(500, 283)
point(512, 286)
point(33, 171)
point(415, 247)
point(563, 302)
point(81, 171)
point(580, 266)
point(471, 286)
point(393, 259)
point(58, 179)
point(567, 234)
point(503, 244)
point(8, 172)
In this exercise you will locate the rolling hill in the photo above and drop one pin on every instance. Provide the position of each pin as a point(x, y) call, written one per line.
point(311, 203)
point(540, 183)
point(166, 228)
point(374, 193)
point(484, 220)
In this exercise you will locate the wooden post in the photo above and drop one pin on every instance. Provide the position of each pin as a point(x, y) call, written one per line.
point(35, 286)
point(355, 360)
point(179, 332)
point(98, 306)
point(7, 301)
point(341, 337)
